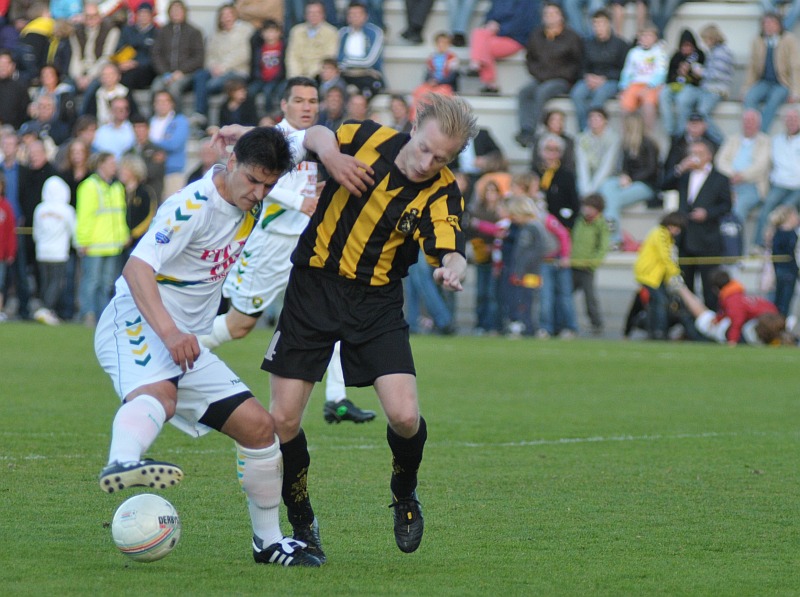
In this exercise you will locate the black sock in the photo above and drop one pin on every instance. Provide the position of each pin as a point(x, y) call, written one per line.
point(295, 481)
point(406, 458)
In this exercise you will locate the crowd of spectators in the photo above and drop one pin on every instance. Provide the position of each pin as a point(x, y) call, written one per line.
point(95, 94)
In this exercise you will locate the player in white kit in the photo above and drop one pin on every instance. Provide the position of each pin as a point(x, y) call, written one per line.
point(146, 337)
point(262, 271)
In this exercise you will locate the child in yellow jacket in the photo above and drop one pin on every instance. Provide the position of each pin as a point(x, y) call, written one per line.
point(656, 265)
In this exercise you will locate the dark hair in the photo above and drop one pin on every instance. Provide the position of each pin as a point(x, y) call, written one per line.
point(233, 84)
point(5, 52)
point(298, 82)
point(674, 218)
point(165, 92)
point(84, 122)
point(595, 200)
point(719, 279)
point(2, 184)
point(271, 24)
point(601, 111)
point(358, 4)
point(601, 14)
point(399, 97)
point(264, 147)
point(330, 62)
point(138, 119)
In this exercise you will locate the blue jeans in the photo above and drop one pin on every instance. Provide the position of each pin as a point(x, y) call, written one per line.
point(421, 287)
point(573, 12)
point(776, 196)
point(657, 317)
point(617, 197)
point(771, 95)
point(785, 282)
point(97, 281)
point(532, 99)
point(586, 99)
point(460, 12)
point(18, 273)
point(661, 11)
point(205, 85)
point(272, 91)
point(487, 299)
point(747, 199)
point(695, 99)
point(557, 306)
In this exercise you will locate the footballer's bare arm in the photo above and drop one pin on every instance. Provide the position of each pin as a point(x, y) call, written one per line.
point(184, 348)
point(354, 175)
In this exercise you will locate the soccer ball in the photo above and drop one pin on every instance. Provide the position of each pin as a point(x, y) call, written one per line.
point(146, 527)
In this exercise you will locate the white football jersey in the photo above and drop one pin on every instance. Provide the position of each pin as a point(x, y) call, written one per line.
point(194, 240)
point(281, 213)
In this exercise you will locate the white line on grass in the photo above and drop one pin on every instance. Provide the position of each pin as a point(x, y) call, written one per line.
point(483, 445)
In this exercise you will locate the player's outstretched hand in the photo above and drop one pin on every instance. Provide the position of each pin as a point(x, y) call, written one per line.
point(449, 279)
point(184, 349)
point(228, 135)
point(354, 175)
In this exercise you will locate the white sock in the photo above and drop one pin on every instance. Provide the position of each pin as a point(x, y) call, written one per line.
point(334, 383)
point(136, 426)
point(261, 476)
point(220, 334)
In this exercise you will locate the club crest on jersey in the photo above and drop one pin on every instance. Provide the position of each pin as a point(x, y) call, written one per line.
point(453, 221)
point(257, 302)
point(256, 211)
point(164, 235)
point(408, 222)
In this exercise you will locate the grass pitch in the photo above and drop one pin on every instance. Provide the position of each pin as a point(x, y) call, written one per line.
point(552, 468)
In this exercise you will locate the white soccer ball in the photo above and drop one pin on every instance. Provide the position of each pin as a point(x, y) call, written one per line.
point(146, 527)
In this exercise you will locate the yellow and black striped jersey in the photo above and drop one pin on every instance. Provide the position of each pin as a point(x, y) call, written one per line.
point(375, 238)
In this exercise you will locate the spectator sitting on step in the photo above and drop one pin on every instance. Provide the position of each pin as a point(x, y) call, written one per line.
point(178, 52)
point(504, 33)
point(400, 113)
point(332, 113)
point(267, 71)
point(310, 42)
point(110, 88)
point(790, 15)
point(228, 56)
point(170, 131)
point(134, 49)
point(330, 75)
point(638, 178)
point(361, 51)
point(557, 183)
point(773, 72)
point(643, 75)
point(685, 70)
point(746, 158)
point(116, 136)
point(784, 222)
point(239, 106)
point(696, 130)
point(554, 58)
point(92, 45)
point(603, 58)
point(441, 70)
point(785, 176)
point(554, 122)
point(714, 86)
point(597, 153)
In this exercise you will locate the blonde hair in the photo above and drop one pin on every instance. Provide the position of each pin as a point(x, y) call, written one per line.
point(136, 166)
point(712, 35)
point(521, 206)
point(454, 115)
point(632, 133)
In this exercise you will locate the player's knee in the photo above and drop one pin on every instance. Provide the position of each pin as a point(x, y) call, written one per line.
point(405, 424)
point(287, 424)
point(260, 432)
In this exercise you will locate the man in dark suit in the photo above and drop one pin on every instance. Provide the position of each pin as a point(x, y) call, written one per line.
point(705, 196)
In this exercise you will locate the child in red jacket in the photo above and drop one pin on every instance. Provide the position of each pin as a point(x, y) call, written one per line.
point(8, 240)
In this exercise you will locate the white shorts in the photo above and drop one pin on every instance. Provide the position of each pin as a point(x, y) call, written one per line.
point(261, 273)
point(707, 325)
point(133, 355)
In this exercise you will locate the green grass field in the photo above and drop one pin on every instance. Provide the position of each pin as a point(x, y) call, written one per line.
point(552, 468)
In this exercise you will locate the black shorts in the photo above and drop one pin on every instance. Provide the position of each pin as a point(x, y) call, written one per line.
point(321, 308)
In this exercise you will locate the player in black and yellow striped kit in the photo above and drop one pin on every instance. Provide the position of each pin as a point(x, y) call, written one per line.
point(346, 285)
